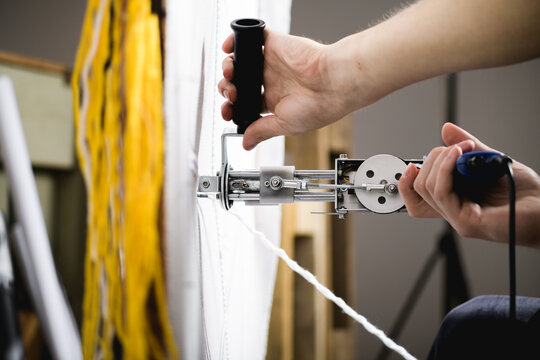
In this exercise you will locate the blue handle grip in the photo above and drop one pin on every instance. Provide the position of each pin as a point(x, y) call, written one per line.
point(477, 172)
point(481, 165)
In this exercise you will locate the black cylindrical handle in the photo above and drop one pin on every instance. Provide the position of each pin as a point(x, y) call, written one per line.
point(248, 71)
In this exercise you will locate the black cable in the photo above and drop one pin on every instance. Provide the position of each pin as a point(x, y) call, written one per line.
point(512, 238)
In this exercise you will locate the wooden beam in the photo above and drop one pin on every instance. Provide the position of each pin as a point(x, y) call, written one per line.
point(35, 63)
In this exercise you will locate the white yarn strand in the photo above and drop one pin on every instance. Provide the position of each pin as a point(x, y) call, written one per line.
point(327, 293)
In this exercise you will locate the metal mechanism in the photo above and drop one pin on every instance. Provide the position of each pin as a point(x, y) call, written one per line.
point(354, 185)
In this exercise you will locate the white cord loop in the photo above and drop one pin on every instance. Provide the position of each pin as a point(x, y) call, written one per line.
point(327, 293)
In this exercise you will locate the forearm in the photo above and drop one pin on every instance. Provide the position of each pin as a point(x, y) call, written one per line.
point(435, 37)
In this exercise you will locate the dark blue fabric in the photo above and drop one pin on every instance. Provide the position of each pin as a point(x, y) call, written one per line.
point(480, 329)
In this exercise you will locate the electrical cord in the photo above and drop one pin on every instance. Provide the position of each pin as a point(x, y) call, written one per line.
point(476, 172)
point(503, 164)
point(511, 236)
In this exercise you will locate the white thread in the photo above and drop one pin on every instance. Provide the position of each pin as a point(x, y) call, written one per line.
point(327, 293)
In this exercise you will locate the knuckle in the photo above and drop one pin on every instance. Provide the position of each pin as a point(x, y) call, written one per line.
point(438, 194)
point(440, 149)
point(436, 151)
point(222, 84)
point(430, 185)
point(439, 198)
point(419, 186)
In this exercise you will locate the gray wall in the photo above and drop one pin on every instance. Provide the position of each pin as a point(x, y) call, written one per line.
point(501, 106)
point(44, 29)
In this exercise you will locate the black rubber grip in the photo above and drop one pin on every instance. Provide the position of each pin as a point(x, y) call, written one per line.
point(248, 71)
point(477, 172)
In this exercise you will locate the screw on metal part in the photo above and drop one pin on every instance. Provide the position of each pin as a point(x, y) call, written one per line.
point(206, 184)
point(245, 185)
point(267, 183)
point(342, 156)
point(392, 189)
point(275, 182)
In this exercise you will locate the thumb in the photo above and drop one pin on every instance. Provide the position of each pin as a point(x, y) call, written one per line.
point(263, 129)
point(453, 134)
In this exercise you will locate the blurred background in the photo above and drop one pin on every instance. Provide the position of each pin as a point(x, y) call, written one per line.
point(38, 44)
point(372, 261)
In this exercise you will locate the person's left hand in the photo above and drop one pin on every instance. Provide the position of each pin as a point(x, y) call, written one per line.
point(307, 85)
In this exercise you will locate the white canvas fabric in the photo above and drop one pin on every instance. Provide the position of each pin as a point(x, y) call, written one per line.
point(220, 279)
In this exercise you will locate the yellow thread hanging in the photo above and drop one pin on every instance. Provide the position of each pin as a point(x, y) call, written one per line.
point(117, 89)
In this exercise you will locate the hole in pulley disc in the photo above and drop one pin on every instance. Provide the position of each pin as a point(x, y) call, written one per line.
point(370, 173)
point(398, 176)
point(382, 199)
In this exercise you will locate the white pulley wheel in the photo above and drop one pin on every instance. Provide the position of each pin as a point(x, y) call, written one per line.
point(380, 169)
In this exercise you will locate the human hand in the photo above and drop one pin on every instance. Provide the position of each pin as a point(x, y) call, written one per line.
point(429, 193)
point(300, 90)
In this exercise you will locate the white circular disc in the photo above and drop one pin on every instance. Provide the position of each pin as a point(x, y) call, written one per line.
point(380, 169)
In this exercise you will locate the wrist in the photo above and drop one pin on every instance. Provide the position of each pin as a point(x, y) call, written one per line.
point(347, 76)
point(354, 75)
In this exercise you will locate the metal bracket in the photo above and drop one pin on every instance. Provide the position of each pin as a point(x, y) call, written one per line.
point(358, 185)
point(225, 168)
point(272, 189)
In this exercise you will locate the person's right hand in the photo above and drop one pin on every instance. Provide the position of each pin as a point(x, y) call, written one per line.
point(429, 193)
point(300, 90)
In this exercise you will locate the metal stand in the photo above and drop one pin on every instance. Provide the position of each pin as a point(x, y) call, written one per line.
point(455, 285)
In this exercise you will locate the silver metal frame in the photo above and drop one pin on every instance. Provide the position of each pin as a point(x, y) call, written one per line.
point(284, 184)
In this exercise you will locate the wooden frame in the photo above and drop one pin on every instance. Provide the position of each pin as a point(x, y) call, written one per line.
point(311, 151)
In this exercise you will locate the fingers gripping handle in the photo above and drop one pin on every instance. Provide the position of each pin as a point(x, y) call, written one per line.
point(248, 71)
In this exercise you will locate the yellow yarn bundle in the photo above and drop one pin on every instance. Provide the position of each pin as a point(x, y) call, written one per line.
point(117, 88)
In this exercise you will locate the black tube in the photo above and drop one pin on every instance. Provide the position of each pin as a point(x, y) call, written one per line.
point(248, 71)
point(512, 241)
